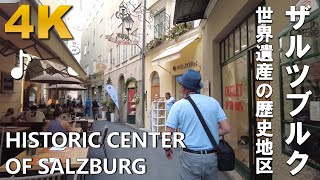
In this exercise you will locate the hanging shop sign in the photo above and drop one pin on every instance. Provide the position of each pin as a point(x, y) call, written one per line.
point(74, 50)
point(185, 65)
point(313, 3)
point(121, 39)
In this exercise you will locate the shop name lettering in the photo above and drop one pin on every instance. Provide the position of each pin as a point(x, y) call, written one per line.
point(185, 65)
point(232, 92)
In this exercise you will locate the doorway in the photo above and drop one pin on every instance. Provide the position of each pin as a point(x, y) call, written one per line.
point(155, 86)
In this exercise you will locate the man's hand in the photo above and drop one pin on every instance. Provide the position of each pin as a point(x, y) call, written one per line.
point(169, 154)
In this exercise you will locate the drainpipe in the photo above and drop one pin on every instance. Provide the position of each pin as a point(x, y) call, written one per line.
point(143, 60)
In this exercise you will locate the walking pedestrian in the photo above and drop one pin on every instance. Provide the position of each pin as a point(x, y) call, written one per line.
point(88, 107)
point(198, 161)
point(95, 109)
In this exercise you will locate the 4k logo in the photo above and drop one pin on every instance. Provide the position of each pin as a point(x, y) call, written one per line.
point(45, 22)
point(9, 1)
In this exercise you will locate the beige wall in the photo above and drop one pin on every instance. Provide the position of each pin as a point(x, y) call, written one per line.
point(10, 100)
point(191, 53)
point(215, 29)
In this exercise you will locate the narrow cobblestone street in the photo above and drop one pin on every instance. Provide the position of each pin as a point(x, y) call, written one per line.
point(158, 167)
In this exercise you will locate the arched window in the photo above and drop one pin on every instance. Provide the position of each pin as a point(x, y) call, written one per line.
point(155, 80)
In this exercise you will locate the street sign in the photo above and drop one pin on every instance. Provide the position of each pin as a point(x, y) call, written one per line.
point(74, 50)
point(121, 41)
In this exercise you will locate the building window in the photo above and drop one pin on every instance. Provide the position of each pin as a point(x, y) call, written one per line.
point(134, 48)
point(101, 27)
point(118, 54)
point(159, 24)
point(252, 30)
point(113, 23)
point(238, 40)
point(110, 59)
point(125, 53)
point(88, 47)
point(309, 116)
point(94, 66)
point(93, 36)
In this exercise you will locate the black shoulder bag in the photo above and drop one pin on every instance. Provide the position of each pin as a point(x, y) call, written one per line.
point(226, 156)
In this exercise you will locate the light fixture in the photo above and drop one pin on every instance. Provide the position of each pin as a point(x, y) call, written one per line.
point(128, 23)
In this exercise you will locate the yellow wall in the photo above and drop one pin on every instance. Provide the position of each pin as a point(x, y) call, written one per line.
point(191, 53)
point(10, 100)
point(215, 29)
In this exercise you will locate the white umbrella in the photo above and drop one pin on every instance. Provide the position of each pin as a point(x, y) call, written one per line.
point(55, 79)
point(70, 87)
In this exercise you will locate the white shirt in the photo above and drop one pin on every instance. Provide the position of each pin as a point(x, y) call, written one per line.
point(39, 117)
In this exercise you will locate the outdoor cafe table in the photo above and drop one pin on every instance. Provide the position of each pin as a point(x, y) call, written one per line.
point(69, 153)
point(14, 129)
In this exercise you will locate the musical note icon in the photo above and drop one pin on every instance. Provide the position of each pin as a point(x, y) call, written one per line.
point(17, 72)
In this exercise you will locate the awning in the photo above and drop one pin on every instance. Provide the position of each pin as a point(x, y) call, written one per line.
point(189, 10)
point(53, 49)
point(173, 52)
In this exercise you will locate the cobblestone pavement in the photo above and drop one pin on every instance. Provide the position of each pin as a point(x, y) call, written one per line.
point(158, 167)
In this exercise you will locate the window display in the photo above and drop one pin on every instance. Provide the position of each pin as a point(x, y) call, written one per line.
point(235, 105)
point(131, 104)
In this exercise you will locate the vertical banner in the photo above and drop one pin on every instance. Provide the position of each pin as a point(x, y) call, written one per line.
point(113, 94)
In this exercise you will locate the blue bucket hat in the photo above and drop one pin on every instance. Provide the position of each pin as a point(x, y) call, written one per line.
point(190, 79)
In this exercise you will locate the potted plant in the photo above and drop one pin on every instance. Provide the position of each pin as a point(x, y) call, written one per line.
point(104, 110)
point(111, 107)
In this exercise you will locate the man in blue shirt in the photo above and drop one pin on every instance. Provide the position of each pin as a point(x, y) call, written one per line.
point(170, 101)
point(88, 106)
point(199, 159)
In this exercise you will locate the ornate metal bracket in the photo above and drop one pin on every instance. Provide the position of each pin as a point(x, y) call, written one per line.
point(128, 9)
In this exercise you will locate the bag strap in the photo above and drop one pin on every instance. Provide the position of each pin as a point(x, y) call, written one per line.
point(204, 124)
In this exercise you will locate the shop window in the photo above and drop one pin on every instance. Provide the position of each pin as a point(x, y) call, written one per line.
point(235, 105)
point(252, 30)
point(237, 41)
point(222, 51)
point(131, 104)
point(244, 39)
point(310, 114)
point(226, 49)
point(231, 45)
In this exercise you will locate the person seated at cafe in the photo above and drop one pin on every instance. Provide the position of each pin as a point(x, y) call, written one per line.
point(58, 124)
point(22, 116)
point(8, 117)
point(34, 115)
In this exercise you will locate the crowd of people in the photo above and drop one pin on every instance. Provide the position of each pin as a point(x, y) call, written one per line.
point(54, 121)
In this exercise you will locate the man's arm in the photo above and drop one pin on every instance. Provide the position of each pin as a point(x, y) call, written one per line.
point(225, 127)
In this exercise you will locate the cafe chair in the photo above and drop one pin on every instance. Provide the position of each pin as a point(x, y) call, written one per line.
point(56, 176)
point(102, 139)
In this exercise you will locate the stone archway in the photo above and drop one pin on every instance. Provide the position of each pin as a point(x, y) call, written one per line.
point(122, 110)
